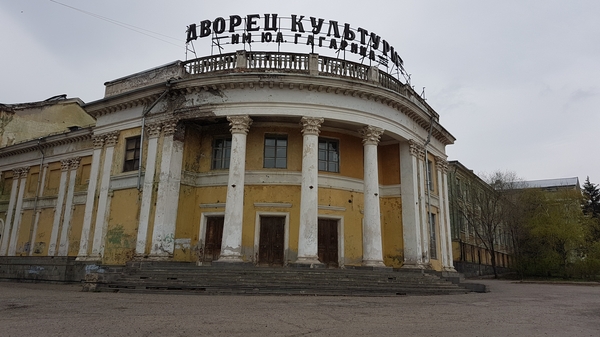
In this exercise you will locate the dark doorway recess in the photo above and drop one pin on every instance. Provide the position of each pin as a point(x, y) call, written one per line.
point(270, 248)
point(214, 236)
point(328, 242)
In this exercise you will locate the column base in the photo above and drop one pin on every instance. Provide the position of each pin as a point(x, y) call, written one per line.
point(307, 262)
point(155, 258)
point(450, 269)
point(229, 259)
point(373, 264)
point(412, 266)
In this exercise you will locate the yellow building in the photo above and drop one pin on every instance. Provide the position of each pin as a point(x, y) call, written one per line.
point(250, 157)
point(472, 249)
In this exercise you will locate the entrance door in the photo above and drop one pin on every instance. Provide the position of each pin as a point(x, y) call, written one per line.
point(328, 242)
point(270, 248)
point(214, 236)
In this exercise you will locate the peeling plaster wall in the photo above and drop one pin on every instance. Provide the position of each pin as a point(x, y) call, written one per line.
point(121, 232)
point(34, 120)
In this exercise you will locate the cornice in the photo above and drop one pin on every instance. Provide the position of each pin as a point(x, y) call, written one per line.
point(409, 104)
point(47, 142)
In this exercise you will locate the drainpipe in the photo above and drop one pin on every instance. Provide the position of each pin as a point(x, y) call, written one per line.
point(427, 175)
point(144, 114)
point(37, 193)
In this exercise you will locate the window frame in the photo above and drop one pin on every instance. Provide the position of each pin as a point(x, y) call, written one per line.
point(135, 161)
point(277, 137)
point(328, 161)
point(224, 160)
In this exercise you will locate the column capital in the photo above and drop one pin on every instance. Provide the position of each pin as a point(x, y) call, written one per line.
point(24, 171)
point(74, 163)
point(370, 134)
point(416, 150)
point(111, 138)
point(239, 124)
point(441, 164)
point(20, 172)
point(98, 141)
point(153, 129)
point(64, 164)
point(311, 125)
point(169, 126)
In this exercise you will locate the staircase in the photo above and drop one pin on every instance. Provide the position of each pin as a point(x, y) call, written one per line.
point(187, 278)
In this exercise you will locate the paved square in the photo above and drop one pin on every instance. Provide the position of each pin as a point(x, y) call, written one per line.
point(509, 310)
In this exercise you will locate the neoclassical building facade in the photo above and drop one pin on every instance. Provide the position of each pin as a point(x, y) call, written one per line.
point(274, 159)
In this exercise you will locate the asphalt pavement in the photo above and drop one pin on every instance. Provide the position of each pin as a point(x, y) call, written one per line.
point(510, 309)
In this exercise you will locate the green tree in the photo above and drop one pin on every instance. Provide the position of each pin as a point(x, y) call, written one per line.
point(591, 199)
point(555, 227)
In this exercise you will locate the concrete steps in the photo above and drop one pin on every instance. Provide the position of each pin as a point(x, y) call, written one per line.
point(186, 278)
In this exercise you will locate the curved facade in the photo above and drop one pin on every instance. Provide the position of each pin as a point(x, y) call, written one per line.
point(265, 158)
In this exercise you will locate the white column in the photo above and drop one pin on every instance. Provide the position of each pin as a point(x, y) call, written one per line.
point(445, 216)
point(411, 215)
point(372, 245)
point(308, 239)
point(423, 190)
point(11, 208)
point(58, 210)
point(439, 163)
point(36, 221)
point(142, 236)
point(103, 209)
point(163, 235)
point(90, 200)
point(63, 247)
point(231, 245)
point(14, 236)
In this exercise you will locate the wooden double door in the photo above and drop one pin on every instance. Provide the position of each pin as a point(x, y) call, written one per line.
point(327, 247)
point(271, 241)
point(213, 238)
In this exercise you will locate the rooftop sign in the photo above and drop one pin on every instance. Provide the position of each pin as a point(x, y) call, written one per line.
point(298, 30)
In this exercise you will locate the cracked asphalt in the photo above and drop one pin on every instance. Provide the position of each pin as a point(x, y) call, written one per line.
point(510, 309)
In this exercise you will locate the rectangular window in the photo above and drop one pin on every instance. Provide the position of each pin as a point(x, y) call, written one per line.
point(221, 153)
point(329, 155)
point(432, 239)
point(132, 154)
point(275, 151)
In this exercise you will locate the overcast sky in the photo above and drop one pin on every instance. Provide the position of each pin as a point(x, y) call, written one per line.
point(517, 82)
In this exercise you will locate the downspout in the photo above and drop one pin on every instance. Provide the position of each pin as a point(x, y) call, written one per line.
point(428, 182)
point(37, 193)
point(144, 114)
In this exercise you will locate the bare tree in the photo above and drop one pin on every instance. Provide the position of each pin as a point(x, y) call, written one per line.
point(485, 205)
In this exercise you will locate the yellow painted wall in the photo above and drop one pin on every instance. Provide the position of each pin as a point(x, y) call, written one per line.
point(52, 179)
point(7, 181)
point(391, 231)
point(119, 153)
point(121, 232)
point(24, 235)
point(351, 154)
point(44, 230)
point(389, 164)
point(36, 120)
point(75, 231)
point(188, 224)
point(255, 149)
